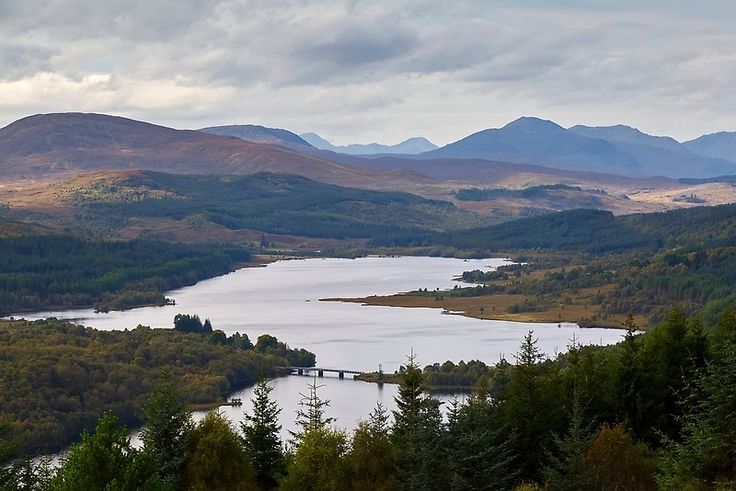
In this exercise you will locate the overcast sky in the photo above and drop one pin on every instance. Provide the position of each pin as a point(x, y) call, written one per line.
point(375, 71)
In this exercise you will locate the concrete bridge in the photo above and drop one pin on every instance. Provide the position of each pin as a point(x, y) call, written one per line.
point(321, 371)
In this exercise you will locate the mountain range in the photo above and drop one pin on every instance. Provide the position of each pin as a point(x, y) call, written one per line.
point(615, 150)
point(411, 146)
point(536, 150)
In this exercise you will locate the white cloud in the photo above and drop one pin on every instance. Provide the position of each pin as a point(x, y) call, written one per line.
point(360, 71)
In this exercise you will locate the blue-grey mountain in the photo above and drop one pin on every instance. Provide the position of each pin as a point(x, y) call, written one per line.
point(259, 134)
point(623, 151)
point(407, 147)
point(720, 145)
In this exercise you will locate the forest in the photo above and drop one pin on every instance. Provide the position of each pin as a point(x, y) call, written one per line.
point(653, 412)
point(542, 191)
point(640, 264)
point(56, 378)
point(40, 272)
point(274, 203)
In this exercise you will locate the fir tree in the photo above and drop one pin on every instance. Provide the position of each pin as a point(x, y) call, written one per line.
point(261, 437)
point(166, 426)
point(479, 454)
point(418, 434)
point(567, 468)
point(311, 412)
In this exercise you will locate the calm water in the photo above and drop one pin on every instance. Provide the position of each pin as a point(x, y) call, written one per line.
point(283, 299)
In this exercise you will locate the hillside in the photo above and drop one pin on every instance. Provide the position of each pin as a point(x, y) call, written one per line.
point(590, 267)
point(410, 146)
point(618, 151)
point(259, 134)
point(49, 145)
point(720, 145)
point(122, 201)
point(626, 134)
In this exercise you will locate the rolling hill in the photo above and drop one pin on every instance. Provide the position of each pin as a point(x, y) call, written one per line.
point(281, 204)
point(55, 145)
point(260, 134)
point(613, 150)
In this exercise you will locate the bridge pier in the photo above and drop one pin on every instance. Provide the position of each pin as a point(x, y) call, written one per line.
point(300, 371)
point(320, 373)
point(341, 375)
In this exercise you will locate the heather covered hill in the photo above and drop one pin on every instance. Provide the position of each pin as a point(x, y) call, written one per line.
point(48, 145)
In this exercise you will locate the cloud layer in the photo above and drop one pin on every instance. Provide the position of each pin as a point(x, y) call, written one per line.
point(357, 71)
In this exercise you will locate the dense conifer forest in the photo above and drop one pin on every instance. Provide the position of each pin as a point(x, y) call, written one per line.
point(55, 272)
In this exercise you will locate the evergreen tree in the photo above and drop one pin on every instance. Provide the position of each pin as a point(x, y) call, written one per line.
point(166, 426)
point(567, 469)
point(418, 434)
point(311, 412)
point(530, 407)
point(478, 452)
point(261, 437)
point(105, 460)
point(705, 454)
point(628, 382)
point(665, 366)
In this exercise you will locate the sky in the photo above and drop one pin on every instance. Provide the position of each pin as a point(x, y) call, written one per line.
point(364, 71)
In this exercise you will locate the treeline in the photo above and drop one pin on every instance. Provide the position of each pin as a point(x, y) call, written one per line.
point(57, 377)
point(57, 272)
point(653, 412)
point(542, 191)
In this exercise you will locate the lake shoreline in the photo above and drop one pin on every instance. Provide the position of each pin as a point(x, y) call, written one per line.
point(481, 308)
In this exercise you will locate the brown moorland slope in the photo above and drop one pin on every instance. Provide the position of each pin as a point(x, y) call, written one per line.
point(59, 145)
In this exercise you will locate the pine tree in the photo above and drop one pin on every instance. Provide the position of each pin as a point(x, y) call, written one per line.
point(705, 455)
point(529, 408)
point(479, 452)
point(628, 382)
point(409, 400)
point(418, 434)
point(567, 469)
point(311, 413)
point(105, 460)
point(166, 425)
point(261, 437)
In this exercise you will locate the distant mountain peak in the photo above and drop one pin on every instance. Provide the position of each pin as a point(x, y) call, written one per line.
point(720, 145)
point(616, 149)
point(532, 123)
point(410, 146)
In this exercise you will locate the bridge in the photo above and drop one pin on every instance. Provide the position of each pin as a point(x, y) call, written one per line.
point(321, 371)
